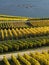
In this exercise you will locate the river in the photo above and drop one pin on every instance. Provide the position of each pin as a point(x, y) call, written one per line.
point(29, 8)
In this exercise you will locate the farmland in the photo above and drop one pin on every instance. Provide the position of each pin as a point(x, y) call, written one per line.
point(22, 33)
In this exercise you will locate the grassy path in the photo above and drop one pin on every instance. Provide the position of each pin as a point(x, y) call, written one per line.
point(25, 51)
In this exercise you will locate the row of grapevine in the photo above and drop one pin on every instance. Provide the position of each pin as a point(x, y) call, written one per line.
point(28, 43)
point(10, 25)
point(25, 32)
point(33, 58)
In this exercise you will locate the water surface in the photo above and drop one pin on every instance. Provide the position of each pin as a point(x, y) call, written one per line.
point(30, 8)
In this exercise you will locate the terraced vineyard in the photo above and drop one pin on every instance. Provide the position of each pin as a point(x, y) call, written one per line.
point(35, 58)
point(19, 34)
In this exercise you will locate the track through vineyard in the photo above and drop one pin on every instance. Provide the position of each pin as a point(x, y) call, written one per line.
point(35, 57)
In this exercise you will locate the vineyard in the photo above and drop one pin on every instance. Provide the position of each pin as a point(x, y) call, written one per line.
point(33, 58)
point(22, 33)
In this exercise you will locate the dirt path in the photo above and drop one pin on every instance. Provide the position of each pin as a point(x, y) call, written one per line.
point(22, 52)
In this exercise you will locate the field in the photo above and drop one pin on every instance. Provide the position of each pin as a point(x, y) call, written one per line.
point(23, 33)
